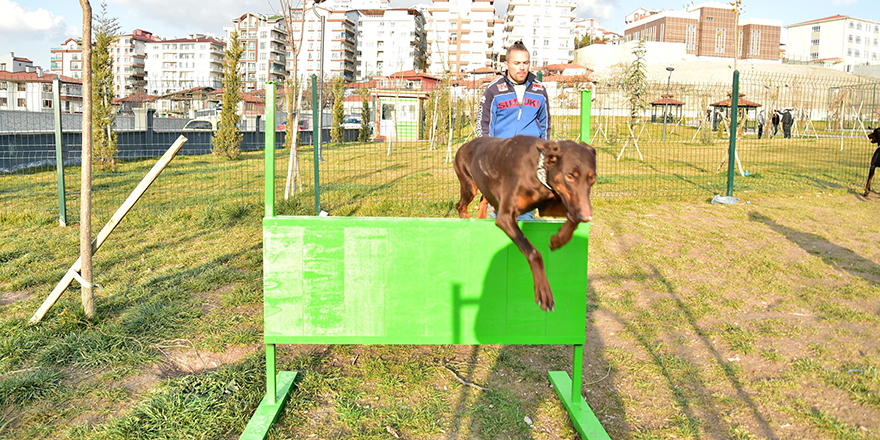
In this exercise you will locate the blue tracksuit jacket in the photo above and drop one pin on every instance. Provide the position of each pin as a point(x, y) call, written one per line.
point(501, 115)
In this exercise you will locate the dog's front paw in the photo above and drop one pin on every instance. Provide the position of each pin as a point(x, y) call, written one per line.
point(544, 297)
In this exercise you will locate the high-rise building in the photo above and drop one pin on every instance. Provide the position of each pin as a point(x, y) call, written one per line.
point(460, 35)
point(339, 44)
point(264, 40)
point(128, 53)
point(184, 63)
point(389, 41)
point(838, 41)
point(545, 28)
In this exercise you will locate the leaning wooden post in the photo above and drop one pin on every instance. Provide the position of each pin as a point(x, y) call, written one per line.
point(74, 272)
point(85, 201)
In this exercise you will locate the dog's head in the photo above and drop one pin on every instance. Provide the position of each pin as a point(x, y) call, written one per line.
point(571, 172)
point(874, 136)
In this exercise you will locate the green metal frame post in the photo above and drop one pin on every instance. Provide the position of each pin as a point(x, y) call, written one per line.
point(734, 117)
point(316, 141)
point(59, 152)
point(270, 149)
point(586, 102)
point(277, 386)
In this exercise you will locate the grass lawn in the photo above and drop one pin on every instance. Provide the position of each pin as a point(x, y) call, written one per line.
point(751, 321)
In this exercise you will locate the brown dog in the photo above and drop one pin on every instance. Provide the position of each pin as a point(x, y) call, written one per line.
point(874, 137)
point(524, 173)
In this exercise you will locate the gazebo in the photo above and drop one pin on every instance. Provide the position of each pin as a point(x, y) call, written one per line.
point(660, 106)
point(749, 108)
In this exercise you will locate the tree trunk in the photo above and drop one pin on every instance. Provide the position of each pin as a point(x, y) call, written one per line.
point(85, 203)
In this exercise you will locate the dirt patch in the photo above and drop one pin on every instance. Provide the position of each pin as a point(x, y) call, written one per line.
point(182, 358)
point(11, 297)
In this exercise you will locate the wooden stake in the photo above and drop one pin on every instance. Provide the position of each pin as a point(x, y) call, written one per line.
point(109, 227)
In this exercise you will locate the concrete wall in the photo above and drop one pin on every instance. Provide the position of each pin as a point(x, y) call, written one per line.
point(601, 56)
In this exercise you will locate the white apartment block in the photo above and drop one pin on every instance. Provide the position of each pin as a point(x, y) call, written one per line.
point(32, 91)
point(460, 35)
point(590, 26)
point(498, 49)
point(128, 53)
point(839, 41)
point(339, 46)
point(344, 5)
point(66, 60)
point(12, 63)
point(184, 63)
point(265, 41)
point(390, 41)
point(545, 27)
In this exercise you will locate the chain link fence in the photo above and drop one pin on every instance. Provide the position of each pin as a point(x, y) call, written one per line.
point(387, 144)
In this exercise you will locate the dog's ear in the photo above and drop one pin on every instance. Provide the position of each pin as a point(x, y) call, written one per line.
point(551, 152)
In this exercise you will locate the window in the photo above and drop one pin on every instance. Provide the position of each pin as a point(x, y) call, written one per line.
point(2, 102)
point(720, 40)
point(691, 37)
point(22, 87)
point(851, 25)
point(22, 102)
point(816, 28)
point(858, 39)
point(858, 26)
point(4, 85)
point(849, 38)
point(47, 103)
point(814, 56)
point(47, 88)
point(814, 42)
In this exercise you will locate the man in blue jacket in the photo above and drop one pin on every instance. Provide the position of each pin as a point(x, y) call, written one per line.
point(515, 103)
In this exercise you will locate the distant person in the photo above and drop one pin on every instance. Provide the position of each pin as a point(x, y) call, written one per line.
point(762, 119)
point(775, 121)
point(787, 121)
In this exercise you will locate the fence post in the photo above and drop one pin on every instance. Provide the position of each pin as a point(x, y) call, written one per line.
point(316, 127)
point(734, 117)
point(585, 115)
point(269, 152)
point(59, 152)
point(148, 134)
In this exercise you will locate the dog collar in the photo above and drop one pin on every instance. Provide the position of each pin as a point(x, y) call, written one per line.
point(542, 172)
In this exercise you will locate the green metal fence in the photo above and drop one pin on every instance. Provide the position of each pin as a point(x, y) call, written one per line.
point(415, 127)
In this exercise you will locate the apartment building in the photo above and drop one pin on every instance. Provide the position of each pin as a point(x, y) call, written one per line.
point(32, 91)
point(339, 44)
point(590, 26)
point(390, 40)
point(545, 27)
point(707, 30)
point(66, 60)
point(264, 39)
point(184, 63)
point(12, 63)
point(128, 53)
point(460, 35)
point(839, 41)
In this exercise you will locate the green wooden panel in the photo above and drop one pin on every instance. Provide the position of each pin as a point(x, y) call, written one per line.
point(352, 280)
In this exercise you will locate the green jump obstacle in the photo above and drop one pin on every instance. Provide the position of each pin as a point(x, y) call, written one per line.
point(367, 280)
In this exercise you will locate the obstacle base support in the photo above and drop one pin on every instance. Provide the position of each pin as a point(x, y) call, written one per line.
point(270, 407)
point(582, 417)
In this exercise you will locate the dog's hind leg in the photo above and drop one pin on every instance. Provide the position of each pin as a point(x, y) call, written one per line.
point(468, 190)
point(875, 162)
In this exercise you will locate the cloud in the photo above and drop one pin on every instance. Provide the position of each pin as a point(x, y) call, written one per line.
point(599, 9)
point(188, 16)
point(16, 20)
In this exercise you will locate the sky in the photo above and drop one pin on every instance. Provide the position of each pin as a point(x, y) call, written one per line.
point(30, 28)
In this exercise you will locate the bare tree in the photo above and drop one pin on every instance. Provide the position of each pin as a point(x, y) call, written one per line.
point(292, 94)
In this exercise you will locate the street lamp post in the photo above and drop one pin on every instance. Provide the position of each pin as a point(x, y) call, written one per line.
point(666, 103)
